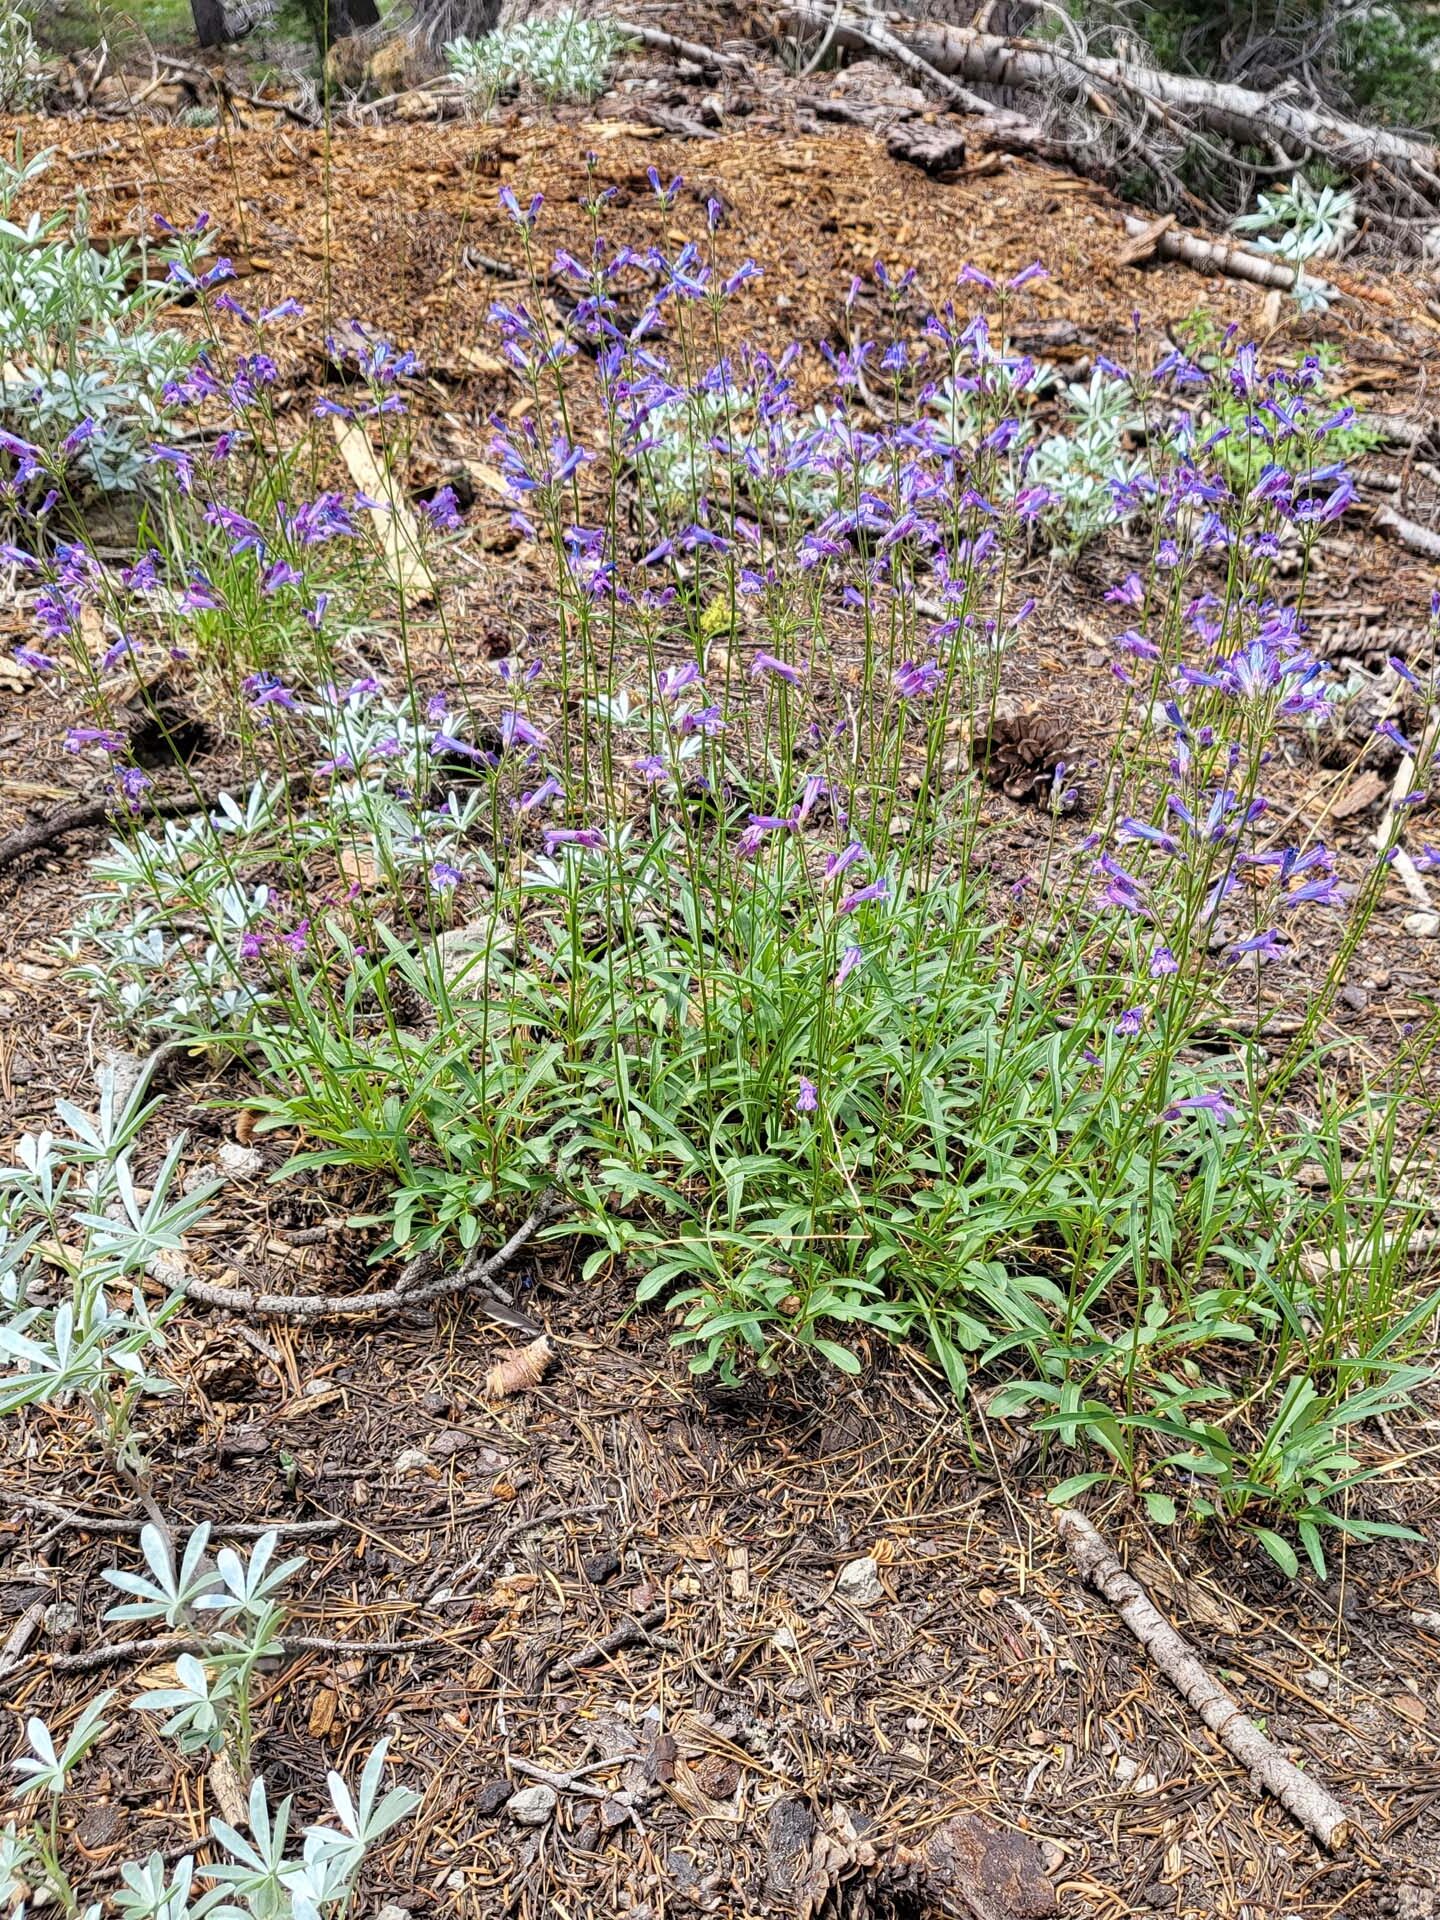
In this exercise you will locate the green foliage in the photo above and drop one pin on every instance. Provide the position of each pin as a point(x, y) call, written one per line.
point(565, 56)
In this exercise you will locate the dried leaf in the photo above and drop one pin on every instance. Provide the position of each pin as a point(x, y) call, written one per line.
point(518, 1372)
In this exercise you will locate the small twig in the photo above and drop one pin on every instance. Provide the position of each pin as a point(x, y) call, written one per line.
point(125, 1653)
point(319, 1306)
point(629, 1633)
point(1305, 1799)
point(477, 1569)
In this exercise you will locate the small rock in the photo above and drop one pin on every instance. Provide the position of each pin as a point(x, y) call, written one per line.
point(1422, 926)
point(601, 1566)
point(532, 1806)
point(859, 1583)
point(200, 1175)
point(239, 1163)
point(411, 1460)
point(391, 1912)
point(492, 1797)
point(1356, 998)
point(1318, 1680)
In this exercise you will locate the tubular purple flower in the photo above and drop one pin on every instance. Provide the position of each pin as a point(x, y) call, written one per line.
point(1266, 946)
point(806, 1099)
point(587, 838)
point(849, 960)
point(1162, 962)
point(1212, 1103)
point(108, 741)
point(767, 663)
point(516, 730)
point(877, 890)
point(914, 682)
point(1130, 1022)
point(841, 862)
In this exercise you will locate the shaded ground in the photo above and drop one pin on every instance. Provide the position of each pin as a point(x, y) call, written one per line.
point(746, 1750)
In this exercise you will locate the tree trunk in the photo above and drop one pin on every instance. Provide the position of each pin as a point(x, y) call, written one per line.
point(442, 21)
point(209, 18)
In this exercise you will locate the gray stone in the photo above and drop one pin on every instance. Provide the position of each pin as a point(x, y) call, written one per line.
point(1423, 926)
point(532, 1806)
point(239, 1163)
point(859, 1583)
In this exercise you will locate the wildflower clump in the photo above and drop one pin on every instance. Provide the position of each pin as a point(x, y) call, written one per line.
point(693, 913)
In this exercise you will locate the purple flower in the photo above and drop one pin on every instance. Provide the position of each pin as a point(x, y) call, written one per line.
point(846, 858)
point(1266, 946)
point(556, 837)
point(914, 682)
point(1392, 733)
point(116, 652)
point(106, 740)
point(1212, 1102)
point(1163, 961)
point(673, 681)
point(767, 663)
point(265, 690)
point(1130, 592)
point(515, 729)
point(1130, 1022)
point(548, 789)
point(297, 936)
point(877, 890)
point(442, 511)
point(36, 662)
point(199, 597)
point(849, 960)
point(444, 875)
point(807, 1099)
point(251, 946)
point(1035, 271)
point(447, 744)
point(706, 720)
point(280, 574)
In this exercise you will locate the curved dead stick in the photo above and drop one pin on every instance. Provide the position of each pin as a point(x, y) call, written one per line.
point(1316, 1809)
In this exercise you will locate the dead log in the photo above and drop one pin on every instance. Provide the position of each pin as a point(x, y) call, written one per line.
point(1317, 1810)
point(1409, 533)
point(1206, 256)
point(1268, 119)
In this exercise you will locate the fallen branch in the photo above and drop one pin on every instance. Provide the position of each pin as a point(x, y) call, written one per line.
point(659, 42)
point(95, 813)
point(121, 1525)
point(1417, 538)
point(1206, 256)
point(1305, 1799)
point(474, 1274)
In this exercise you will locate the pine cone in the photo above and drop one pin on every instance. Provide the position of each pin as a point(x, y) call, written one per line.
point(1021, 751)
